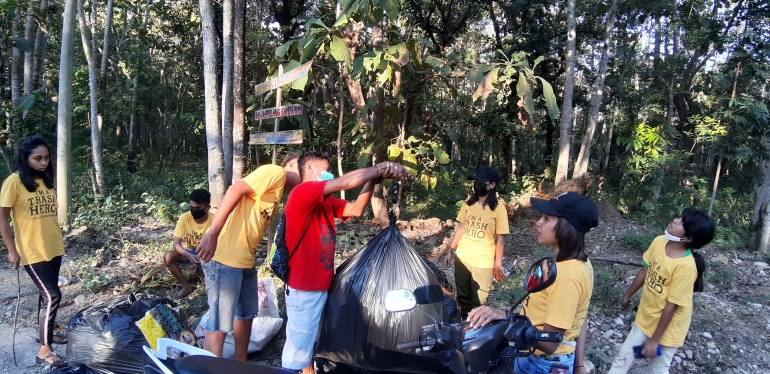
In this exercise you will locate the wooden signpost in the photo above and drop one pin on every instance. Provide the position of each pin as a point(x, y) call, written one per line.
point(282, 111)
point(279, 137)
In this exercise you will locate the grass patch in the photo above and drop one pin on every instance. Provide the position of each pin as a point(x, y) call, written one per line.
point(609, 287)
point(720, 275)
point(637, 242)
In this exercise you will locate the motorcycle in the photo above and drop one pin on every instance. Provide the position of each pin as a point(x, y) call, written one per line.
point(445, 348)
point(461, 349)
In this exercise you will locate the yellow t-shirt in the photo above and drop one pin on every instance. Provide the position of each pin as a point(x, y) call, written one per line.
point(477, 246)
point(38, 236)
point(668, 279)
point(191, 231)
point(244, 229)
point(565, 303)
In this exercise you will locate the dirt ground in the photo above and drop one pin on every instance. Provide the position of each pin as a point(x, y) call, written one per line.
point(730, 331)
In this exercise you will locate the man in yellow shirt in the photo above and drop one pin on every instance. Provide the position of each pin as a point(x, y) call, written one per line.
point(228, 251)
point(190, 228)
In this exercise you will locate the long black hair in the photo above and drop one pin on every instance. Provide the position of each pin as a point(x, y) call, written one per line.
point(21, 163)
point(699, 227)
point(571, 242)
point(491, 201)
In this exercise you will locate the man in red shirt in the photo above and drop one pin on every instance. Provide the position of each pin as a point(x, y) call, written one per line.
point(310, 211)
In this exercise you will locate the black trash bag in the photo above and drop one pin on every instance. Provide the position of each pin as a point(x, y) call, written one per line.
point(357, 330)
point(450, 297)
point(105, 338)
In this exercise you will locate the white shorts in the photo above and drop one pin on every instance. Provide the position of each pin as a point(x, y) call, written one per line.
point(304, 310)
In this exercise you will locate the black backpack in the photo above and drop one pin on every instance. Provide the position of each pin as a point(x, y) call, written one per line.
point(280, 260)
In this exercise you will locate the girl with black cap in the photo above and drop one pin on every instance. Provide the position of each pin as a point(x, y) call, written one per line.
point(563, 307)
point(479, 242)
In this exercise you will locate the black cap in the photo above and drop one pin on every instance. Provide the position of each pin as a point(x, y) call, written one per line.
point(577, 209)
point(485, 174)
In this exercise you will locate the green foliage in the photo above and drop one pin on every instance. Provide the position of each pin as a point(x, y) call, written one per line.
point(637, 242)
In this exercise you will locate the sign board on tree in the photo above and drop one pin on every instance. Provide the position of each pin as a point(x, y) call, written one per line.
point(283, 79)
point(277, 137)
point(281, 111)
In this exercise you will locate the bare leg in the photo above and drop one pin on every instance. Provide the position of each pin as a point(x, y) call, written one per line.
point(172, 259)
point(215, 340)
point(241, 335)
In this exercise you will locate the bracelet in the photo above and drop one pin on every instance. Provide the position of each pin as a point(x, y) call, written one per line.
point(578, 366)
point(378, 170)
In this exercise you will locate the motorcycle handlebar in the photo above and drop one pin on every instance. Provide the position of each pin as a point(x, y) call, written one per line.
point(548, 336)
point(408, 345)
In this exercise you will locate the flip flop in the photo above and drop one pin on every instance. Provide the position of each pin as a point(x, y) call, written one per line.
point(44, 361)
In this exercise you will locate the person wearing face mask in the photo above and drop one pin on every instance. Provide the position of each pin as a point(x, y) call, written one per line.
point(671, 271)
point(311, 238)
point(479, 242)
point(190, 228)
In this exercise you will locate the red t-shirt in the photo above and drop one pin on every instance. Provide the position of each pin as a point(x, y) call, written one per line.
point(311, 267)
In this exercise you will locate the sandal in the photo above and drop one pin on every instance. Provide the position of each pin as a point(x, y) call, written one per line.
point(60, 363)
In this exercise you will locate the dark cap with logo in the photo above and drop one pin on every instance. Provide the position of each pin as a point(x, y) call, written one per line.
point(485, 174)
point(577, 209)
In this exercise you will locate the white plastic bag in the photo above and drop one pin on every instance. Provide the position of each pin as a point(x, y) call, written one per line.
point(263, 328)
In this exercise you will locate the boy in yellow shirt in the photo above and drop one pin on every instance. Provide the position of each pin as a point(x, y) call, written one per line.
point(671, 273)
point(228, 252)
point(190, 228)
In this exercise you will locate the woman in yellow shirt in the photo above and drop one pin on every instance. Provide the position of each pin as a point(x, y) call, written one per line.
point(563, 306)
point(28, 198)
point(479, 242)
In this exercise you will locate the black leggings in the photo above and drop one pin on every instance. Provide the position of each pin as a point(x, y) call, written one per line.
point(45, 275)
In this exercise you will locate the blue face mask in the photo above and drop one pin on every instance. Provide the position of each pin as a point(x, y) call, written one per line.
point(325, 176)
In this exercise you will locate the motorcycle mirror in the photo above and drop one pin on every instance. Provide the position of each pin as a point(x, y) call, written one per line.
point(400, 301)
point(540, 275)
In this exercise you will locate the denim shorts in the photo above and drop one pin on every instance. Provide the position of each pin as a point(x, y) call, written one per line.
point(304, 310)
point(188, 263)
point(232, 293)
point(543, 364)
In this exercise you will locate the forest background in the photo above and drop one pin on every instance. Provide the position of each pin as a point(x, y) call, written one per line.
point(663, 105)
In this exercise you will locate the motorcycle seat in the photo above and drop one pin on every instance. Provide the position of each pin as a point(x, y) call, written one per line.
point(214, 365)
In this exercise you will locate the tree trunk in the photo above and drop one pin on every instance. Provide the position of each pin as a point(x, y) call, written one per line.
point(716, 183)
point(216, 172)
point(239, 88)
point(581, 166)
point(565, 127)
point(38, 63)
point(105, 48)
point(341, 101)
point(64, 115)
point(132, 130)
point(227, 89)
point(16, 68)
point(379, 206)
point(29, 31)
point(96, 134)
